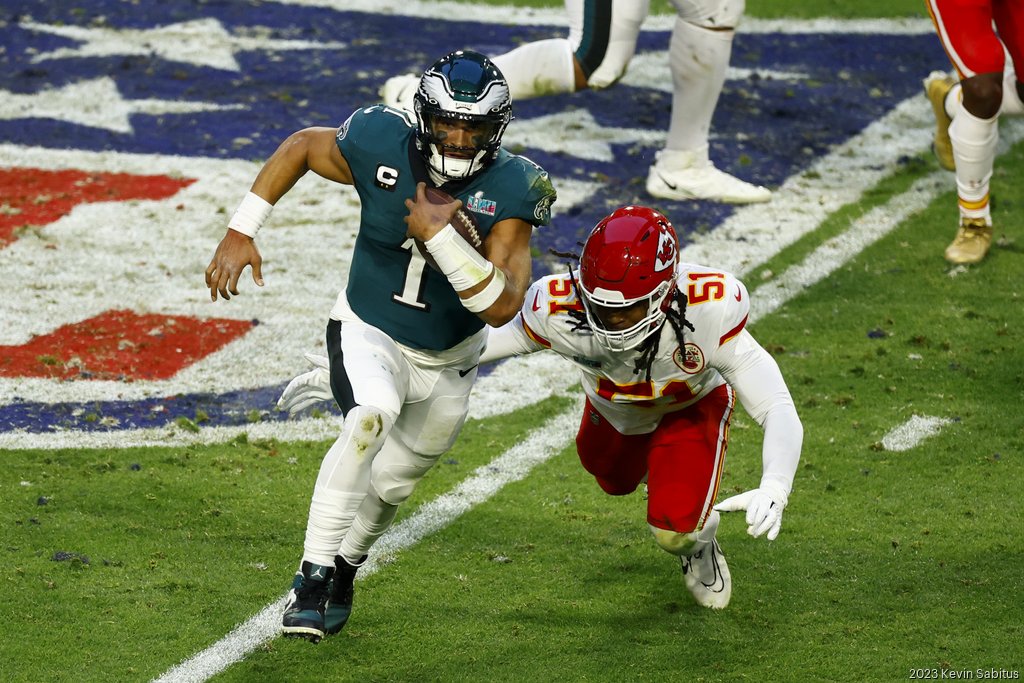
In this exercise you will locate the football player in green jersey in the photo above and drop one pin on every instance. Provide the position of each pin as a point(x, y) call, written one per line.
point(403, 338)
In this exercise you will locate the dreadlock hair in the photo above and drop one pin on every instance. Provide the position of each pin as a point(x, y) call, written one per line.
point(578, 317)
point(676, 316)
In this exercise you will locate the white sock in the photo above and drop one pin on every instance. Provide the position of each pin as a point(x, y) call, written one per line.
point(330, 516)
point(707, 534)
point(372, 520)
point(974, 149)
point(343, 482)
point(683, 159)
point(544, 67)
point(698, 59)
point(952, 103)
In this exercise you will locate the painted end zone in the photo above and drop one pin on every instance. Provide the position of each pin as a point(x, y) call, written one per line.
point(35, 197)
point(121, 345)
point(792, 100)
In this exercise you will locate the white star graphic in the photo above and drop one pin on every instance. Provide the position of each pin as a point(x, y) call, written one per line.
point(576, 133)
point(95, 103)
point(651, 70)
point(573, 193)
point(202, 42)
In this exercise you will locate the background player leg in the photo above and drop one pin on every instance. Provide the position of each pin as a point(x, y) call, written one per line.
point(975, 141)
point(699, 59)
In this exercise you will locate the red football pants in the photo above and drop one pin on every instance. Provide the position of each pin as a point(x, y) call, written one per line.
point(965, 29)
point(682, 458)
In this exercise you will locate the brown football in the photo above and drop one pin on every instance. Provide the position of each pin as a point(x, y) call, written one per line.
point(463, 222)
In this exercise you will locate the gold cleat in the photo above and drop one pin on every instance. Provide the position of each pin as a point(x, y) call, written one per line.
point(936, 87)
point(973, 238)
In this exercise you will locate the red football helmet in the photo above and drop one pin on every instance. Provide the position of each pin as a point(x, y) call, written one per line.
point(630, 256)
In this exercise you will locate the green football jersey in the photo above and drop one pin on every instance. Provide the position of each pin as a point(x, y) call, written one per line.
point(390, 286)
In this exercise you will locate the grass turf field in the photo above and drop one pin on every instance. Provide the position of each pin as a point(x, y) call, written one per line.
point(121, 563)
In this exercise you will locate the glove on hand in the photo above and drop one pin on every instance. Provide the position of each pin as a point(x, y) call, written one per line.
point(764, 508)
point(308, 388)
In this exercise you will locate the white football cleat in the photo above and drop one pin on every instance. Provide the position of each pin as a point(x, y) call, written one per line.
point(398, 91)
point(686, 175)
point(707, 576)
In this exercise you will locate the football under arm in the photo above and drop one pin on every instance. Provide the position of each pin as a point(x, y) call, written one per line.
point(508, 340)
point(762, 391)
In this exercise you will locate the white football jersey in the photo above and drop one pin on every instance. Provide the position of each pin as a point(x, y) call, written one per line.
point(719, 350)
point(717, 307)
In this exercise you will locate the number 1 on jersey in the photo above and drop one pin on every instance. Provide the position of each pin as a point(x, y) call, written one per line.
point(414, 274)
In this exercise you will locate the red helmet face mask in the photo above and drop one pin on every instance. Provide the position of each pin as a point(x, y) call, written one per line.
point(630, 256)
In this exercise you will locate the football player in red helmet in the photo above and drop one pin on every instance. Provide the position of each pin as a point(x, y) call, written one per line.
point(627, 276)
point(659, 398)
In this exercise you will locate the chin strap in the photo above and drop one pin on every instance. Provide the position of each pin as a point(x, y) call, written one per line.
point(435, 176)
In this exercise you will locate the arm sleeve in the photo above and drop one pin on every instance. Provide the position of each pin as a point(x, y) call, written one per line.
point(508, 340)
point(759, 385)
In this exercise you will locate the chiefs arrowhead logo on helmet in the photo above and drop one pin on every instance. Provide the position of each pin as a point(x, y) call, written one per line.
point(629, 257)
point(666, 257)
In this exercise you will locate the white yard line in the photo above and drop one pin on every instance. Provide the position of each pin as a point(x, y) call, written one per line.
point(749, 237)
point(556, 434)
point(511, 466)
point(865, 231)
point(833, 253)
point(755, 233)
point(912, 432)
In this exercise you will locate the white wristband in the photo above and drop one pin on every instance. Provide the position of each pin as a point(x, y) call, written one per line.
point(463, 265)
point(483, 299)
point(250, 215)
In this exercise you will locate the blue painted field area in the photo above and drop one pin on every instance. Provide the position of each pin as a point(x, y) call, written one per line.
point(267, 69)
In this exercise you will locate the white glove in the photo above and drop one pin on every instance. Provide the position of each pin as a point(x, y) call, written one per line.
point(764, 508)
point(308, 388)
